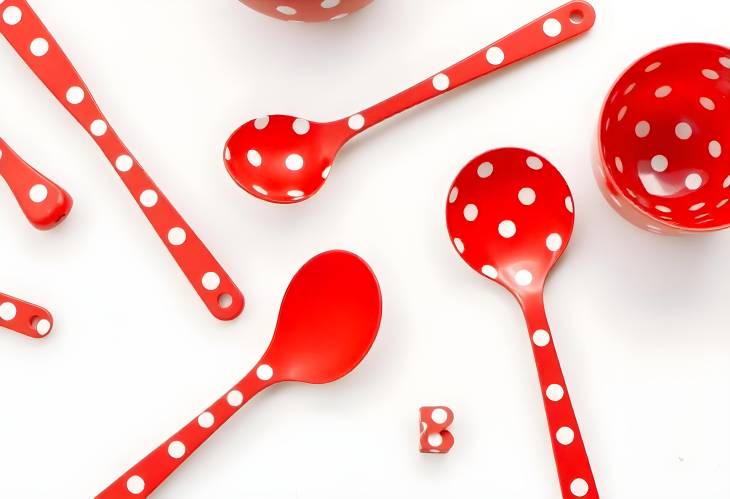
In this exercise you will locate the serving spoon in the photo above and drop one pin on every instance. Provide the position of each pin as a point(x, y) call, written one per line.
point(24, 318)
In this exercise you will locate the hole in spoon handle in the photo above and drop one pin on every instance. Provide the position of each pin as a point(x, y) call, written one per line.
point(554, 28)
point(44, 203)
point(148, 474)
point(35, 45)
point(574, 468)
point(24, 318)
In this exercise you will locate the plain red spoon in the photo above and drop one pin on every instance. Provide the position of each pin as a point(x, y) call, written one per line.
point(510, 216)
point(20, 25)
point(44, 203)
point(284, 159)
point(24, 318)
point(328, 321)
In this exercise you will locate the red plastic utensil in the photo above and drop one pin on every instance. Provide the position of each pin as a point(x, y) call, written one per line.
point(283, 159)
point(328, 321)
point(664, 140)
point(307, 10)
point(29, 37)
point(24, 318)
point(44, 203)
point(510, 216)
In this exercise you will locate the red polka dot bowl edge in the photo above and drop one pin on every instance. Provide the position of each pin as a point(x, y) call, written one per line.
point(307, 10)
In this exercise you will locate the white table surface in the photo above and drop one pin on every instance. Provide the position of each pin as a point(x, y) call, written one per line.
point(640, 321)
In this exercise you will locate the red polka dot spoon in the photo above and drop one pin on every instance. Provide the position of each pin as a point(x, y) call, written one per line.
point(328, 321)
point(283, 159)
point(510, 216)
point(24, 318)
point(25, 32)
point(307, 10)
point(664, 140)
point(44, 203)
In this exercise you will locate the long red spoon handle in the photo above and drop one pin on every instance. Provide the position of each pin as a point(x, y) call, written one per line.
point(144, 477)
point(24, 318)
point(44, 203)
point(558, 26)
point(29, 37)
point(574, 468)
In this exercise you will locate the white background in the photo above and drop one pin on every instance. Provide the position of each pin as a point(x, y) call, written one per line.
point(640, 321)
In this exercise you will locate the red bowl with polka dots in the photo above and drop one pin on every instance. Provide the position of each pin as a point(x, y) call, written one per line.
point(307, 10)
point(664, 140)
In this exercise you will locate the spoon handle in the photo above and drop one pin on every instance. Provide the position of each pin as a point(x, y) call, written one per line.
point(574, 468)
point(44, 203)
point(558, 26)
point(144, 477)
point(29, 37)
point(24, 318)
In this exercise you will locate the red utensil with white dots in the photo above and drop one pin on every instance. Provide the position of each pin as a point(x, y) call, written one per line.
point(283, 159)
point(307, 10)
point(44, 203)
point(328, 321)
point(510, 216)
point(24, 318)
point(29, 37)
point(664, 140)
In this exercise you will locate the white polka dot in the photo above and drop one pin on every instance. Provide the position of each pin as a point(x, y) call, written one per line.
point(264, 372)
point(148, 198)
point(295, 193)
point(663, 209)
point(552, 27)
point(211, 281)
point(725, 61)
point(507, 229)
point(459, 245)
point(435, 440)
point(234, 398)
point(254, 157)
point(697, 207)
point(440, 82)
point(39, 47)
point(38, 193)
point(453, 195)
point(328, 4)
point(356, 122)
point(652, 67)
point(569, 204)
point(176, 449)
point(124, 163)
point(260, 190)
point(707, 103)
point(176, 236)
point(726, 182)
point(439, 416)
point(75, 95)
point(659, 163)
point(523, 277)
point(565, 436)
point(642, 129)
point(98, 128)
point(693, 181)
point(554, 393)
point(554, 242)
point(579, 487)
point(206, 420)
point(495, 56)
point(630, 89)
point(135, 484)
point(622, 113)
point(534, 162)
point(662, 92)
point(227, 154)
point(12, 15)
point(43, 327)
point(526, 196)
point(715, 149)
point(683, 131)
point(471, 212)
point(294, 162)
point(490, 271)
point(339, 16)
point(326, 172)
point(301, 126)
point(286, 10)
point(485, 169)
point(710, 74)
point(722, 203)
point(541, 338)
point(261, 123)
point(8, 311)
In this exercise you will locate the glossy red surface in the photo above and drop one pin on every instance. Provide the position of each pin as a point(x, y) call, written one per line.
point(664, 140)
point(307, 10)
point(24, 318)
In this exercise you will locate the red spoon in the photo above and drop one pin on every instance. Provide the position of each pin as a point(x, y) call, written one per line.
point(283, 159)
point(328, 321)
point(24, 318)
point(44, 203)
point(510, 216)
point(29, 37)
